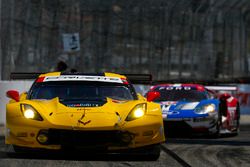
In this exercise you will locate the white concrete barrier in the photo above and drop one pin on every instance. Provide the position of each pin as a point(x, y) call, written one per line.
point(20, 86)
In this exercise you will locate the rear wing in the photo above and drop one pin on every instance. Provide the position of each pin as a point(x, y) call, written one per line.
point(139, 78)
point(222, 88)
point(218, 81)
point(22, 76)
point(133, 78)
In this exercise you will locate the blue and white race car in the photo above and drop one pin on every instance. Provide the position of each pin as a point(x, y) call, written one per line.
point(188, 108)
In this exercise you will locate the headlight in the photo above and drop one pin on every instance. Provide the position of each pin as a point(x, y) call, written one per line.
point(209, 108)
point(137, 112)
point(30, 112)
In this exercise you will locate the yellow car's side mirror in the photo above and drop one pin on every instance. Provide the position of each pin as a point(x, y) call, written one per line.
point(13, 94)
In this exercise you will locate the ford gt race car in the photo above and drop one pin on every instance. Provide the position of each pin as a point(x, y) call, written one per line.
point(84, 112)
point(189, 108)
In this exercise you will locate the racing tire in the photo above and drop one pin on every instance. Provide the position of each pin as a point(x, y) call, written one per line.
point(218, 128)
point(236, 131)
point(154, 153)
point(148, 153)
point(151, 153)
point(18, 149)
point(27, 150)
point(238, 120)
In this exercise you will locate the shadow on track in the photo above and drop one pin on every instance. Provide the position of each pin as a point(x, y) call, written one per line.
point(208, 142)
point(76, 156)
point(223, 139)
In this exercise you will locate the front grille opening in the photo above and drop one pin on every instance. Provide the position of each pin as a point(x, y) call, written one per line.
point(88, 138)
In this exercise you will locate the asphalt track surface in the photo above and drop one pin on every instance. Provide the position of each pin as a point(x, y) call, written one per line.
point(177, 151)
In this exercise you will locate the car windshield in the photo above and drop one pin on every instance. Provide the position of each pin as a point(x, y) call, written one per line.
point(80, 91)
point(181, 95)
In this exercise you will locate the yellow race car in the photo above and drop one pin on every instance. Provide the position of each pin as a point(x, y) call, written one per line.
point(74, 111)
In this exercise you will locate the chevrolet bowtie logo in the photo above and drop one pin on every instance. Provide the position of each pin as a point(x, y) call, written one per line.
point(84, 123)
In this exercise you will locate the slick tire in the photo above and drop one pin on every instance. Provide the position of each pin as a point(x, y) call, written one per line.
point(155, 153)
point(238, 120)
point(18, 149)
point(152, 153)
point(148, 153)
point(26, 150)
point(218, 127)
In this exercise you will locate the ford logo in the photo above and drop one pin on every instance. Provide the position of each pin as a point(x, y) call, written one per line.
point(173, 112)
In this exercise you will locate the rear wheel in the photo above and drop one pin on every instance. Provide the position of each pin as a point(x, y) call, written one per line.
point(238, 119)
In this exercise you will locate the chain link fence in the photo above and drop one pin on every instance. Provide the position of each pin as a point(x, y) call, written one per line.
point(198, 39)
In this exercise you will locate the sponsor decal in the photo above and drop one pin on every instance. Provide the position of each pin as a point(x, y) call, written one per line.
point(82, 78)
point(168, 102)
point(83, 105)
point(165, 108)
point(175, 88)
point(165, 105)
point(173, 112)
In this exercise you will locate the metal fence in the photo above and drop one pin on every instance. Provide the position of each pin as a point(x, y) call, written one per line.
point(199, 39)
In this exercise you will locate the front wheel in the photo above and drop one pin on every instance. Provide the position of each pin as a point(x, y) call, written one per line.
point(148, 153)
point(218, 127)
point(154, 152)
point(19, 149)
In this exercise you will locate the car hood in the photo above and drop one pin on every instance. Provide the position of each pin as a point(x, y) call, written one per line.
point(112, 114)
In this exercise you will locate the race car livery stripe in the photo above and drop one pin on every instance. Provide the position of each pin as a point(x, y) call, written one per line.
point(40, 79)
point(124, 80)
point(189, 106)
point(230, 99)
point(82, 78)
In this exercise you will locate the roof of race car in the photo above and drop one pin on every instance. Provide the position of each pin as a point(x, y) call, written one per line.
point(193, 86)
point(101, 77)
